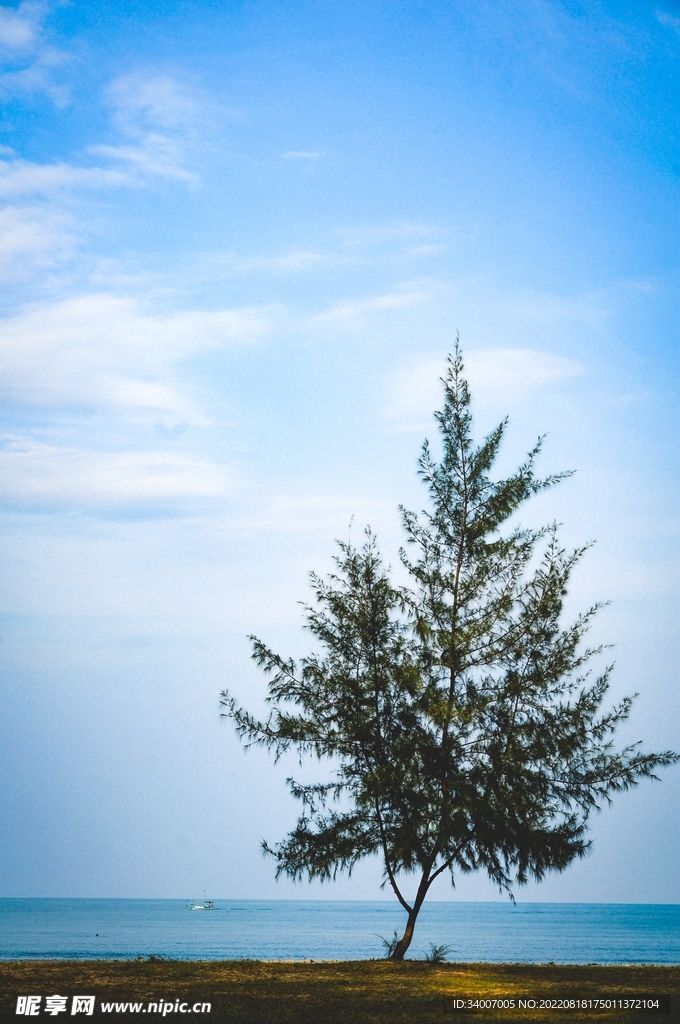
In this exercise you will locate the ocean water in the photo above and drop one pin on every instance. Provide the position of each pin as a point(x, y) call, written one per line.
point(344, 930)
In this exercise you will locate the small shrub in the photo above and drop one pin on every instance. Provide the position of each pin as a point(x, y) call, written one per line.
point(390, 944)
point(437, 954)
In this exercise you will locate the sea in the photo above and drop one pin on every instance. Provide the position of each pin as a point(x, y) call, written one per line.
point(574, 933)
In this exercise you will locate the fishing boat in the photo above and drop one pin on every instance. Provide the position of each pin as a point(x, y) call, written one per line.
point(200, 905)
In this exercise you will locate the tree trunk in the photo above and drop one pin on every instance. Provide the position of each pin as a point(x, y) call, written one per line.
point(405, 940)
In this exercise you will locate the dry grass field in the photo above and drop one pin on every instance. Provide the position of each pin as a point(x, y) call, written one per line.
point(356, 992)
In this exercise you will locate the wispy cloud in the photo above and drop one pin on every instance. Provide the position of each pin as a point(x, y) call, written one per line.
point(517, 371)
point(19, 28)
point(324, 513)
point(347, 314)
point(159, 117)
point(141, 102)
point(670, 20)
point(301, 154)
point(494, 375)
point(41, 226)
point(396, 241)
point(22, 178)
point(103, 352)
point(156, 155)
point(158, 122)
point(31, 236)
point(50, 478)
point(348, 247)
point(289, 263)
point(30, 63)
point(296, 262)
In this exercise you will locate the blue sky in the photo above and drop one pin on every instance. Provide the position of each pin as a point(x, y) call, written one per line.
point(237, 241)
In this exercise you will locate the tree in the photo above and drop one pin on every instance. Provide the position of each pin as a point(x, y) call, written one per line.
point(459, 715)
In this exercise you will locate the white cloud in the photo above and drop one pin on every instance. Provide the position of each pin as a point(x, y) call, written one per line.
point(30, 236)
point(141, 102)
point(394, 242)
point(103, 352)
point(40, 226)
point(24, 178)
point(156, 155)
point(667, 19)
point(296, 154)
point(18, 28)
point(291, 263)
point(516, 371)
point(230, 263)
point(47, 477)
point(161, 120)
point(23, 41)
point(346, 314)
point(348, 248)
point(494, 375)
point(39, 77)
point(322, 513)
point(159, 124)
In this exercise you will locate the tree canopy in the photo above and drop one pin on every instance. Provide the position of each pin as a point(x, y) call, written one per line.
point(459, 715)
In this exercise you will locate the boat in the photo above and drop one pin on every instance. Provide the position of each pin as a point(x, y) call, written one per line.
point(200, 905)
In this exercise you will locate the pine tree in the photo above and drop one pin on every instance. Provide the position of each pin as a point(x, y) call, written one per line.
point(461, 713)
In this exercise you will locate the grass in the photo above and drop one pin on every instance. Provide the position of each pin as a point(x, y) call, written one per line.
point(356, 992)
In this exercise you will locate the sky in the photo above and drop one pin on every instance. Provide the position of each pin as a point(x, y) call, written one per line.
point(237, 242)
